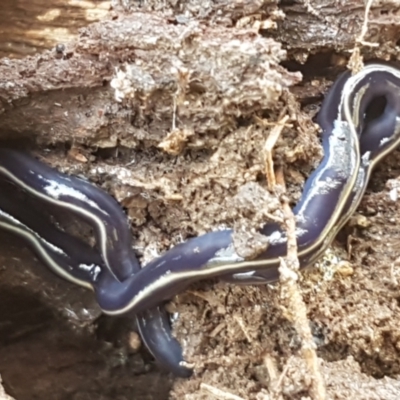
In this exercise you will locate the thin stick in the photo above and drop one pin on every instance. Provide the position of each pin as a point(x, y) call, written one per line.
point(268, 148)
point(364, 28)
point(220, 394)
point(356, 63)
point(289, 275)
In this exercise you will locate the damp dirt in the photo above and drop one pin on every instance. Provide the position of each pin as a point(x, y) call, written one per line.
point(180, 145)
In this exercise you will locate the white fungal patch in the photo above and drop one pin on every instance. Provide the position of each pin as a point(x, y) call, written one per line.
point(243, 275)
point(276, 238)
point(224, 256)
point(279, 237)
point(385, 140)
point(56, 190)
point(365, 158)
point(96, 272)
point(394, 194)
point(86, 267)
point(93, 269)
point(301, 232)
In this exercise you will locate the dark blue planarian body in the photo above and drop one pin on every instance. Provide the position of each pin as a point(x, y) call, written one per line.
point(353, 143)
point(24, 180)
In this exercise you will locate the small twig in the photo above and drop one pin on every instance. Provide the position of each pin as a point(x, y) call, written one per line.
point(174, 114)
point(273, 218)
point(289, 277)
point(220, 394)
point(288, 273)
point(275, 378)
point(278, 383)
point(268, 147)
point(364, 28)
point(265, 123)
point(355, 63)
point(242, 326)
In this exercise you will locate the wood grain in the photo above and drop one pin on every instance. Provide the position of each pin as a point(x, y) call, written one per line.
point(28, 27)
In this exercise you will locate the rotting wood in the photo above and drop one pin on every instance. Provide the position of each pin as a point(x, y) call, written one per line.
point(29, 27)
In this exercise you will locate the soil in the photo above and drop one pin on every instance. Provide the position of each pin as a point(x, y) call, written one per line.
point(147, 104)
